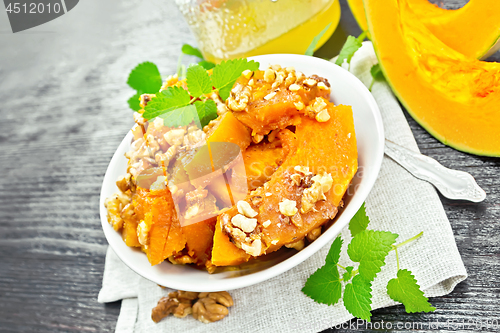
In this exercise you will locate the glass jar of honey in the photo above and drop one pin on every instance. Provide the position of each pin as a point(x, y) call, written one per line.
point(227, 29)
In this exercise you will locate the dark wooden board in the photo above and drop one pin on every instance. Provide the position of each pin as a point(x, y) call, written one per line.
point(64, 112)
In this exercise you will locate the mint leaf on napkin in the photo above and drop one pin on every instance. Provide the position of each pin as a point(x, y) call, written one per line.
point(358, 297)
point(404, 289)
point(359, 222)
point(370, 248)
point(324, 285)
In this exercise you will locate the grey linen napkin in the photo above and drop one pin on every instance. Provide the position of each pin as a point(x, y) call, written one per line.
point(398, 203)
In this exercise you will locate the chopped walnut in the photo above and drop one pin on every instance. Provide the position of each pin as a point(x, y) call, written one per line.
point(124, 183)
point(310, 82)
point(294, 87)
point(269, 75)
point(245, 209)
point(182, 260)
point(115, 205)
point(195, 202)
point(239, 98)
point(313, 234)
point(254, 249)
point(288, 207)
point(321, 184)
point(244, 223)
point(175, 137)
point(298, 245)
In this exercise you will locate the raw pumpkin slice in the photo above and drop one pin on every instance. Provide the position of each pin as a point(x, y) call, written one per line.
point(473, 30)
point(454, 97)
point(288, 206)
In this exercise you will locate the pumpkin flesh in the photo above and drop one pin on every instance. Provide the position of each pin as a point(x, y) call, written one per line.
point(453, 27)
point(454, 97)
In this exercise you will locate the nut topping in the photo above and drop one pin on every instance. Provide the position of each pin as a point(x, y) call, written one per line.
point(288, 207)
point(244, 223)
point(245, 209)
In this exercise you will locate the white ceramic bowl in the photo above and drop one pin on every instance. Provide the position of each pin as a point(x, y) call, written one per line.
point(345, 89)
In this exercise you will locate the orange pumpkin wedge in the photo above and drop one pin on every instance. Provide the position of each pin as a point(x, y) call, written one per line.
point(328, 146)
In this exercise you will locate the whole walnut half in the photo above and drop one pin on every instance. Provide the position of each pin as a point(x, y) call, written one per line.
point(209, 307)
point(212, 307)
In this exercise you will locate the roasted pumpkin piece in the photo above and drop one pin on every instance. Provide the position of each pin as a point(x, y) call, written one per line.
point(275, 98)
point(199, 239)
point(162, 228)
point(226, 128)
point(261, 161)
point(301, 195)
point(224, 252)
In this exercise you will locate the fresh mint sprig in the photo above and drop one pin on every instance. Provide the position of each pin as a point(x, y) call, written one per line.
point(377, 75)
point(191, 50)
point(351, 45)
point(145, 78)
point(369, 248)
point(315, 41)
point(174, 101)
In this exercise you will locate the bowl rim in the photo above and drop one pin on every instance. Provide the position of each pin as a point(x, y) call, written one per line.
point(335, 229)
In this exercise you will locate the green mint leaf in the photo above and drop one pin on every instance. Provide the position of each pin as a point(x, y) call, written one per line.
point(191, 50)
point(206, 64)
point(227, 72)
point(347, 52)
point(145, 78)
point(370, 248)
point(182, 116)
point(404, 289)
point(165, 101)
point(207, 111)
point(134, 102)
point(312, 46)
point(324, 285)
point(376, 72)
point(359, 222)
point(348, 274)
point(198, 81)
point(358, 297)
point(333, 256)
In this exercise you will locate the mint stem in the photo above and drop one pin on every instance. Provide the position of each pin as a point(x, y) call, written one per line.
point(342, 267)
point(408, 240)
point(371, 85)
point(397, 257)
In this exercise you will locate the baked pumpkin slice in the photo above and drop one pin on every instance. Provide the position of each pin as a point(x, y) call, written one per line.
point(304, 192)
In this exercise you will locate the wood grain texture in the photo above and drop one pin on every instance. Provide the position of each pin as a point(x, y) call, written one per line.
point(63, 114)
